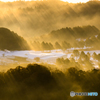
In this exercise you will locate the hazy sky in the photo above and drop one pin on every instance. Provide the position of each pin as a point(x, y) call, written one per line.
point(75, 1)
point(71, 1)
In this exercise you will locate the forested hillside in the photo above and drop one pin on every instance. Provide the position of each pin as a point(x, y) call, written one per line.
point(12, 41)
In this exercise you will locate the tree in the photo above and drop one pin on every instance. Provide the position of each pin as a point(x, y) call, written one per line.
point(51, 46)
point(57, 46)
point(88, 54)
point(43, 45)
point(65, 45)
point(60, 61)
point(94, 55)
point(82, 55)
point(76, 53)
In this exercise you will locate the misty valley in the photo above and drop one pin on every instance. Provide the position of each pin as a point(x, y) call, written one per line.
point(49, 48)
point(53, 57)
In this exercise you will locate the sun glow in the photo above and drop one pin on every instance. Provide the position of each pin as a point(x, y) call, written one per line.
point(75, 1)
point(70, 1)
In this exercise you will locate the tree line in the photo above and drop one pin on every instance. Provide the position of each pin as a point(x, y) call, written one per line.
point(92, 42)
point(50, 46)
point(79, 60)
point(40, 82)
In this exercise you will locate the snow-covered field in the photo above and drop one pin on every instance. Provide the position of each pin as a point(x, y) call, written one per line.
point(45, 55)
point(32, 54)
point(49, 56)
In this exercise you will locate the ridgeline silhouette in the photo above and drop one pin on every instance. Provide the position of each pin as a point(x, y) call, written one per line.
point(12, 41)
point(71, 34)
point(37, 82)
point(34, 18)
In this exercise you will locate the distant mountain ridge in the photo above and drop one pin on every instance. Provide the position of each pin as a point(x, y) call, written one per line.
point(12, 41)
point(69, 34)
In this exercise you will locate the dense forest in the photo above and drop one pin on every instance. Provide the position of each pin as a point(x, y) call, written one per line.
point(12, 41)
point(41, 82)
point(91, 42)
point(45, 39)
point(88, 36)
point(74, 33)
point(31, 19)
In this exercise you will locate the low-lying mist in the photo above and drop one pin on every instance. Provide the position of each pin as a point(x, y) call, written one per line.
point(33, 18)
point(40, 82)
point(55, 50)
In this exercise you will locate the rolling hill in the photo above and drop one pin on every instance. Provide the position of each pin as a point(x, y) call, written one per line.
point(12, 41)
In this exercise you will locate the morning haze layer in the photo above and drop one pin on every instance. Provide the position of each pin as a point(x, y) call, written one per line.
point(30, 19)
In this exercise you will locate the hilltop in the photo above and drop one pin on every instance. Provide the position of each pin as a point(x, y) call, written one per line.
point(12, 41)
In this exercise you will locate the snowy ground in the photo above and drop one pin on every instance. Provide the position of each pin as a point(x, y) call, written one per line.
point(46, 56)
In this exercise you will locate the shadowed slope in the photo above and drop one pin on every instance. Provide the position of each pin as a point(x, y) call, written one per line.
point(11, 41)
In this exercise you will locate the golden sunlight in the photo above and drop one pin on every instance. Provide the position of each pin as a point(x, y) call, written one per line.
point(70, 1)
point(75, 1)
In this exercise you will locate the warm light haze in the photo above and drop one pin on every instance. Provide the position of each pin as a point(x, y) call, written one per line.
point(70, 1)
point(75, 1)
point(49, 49)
